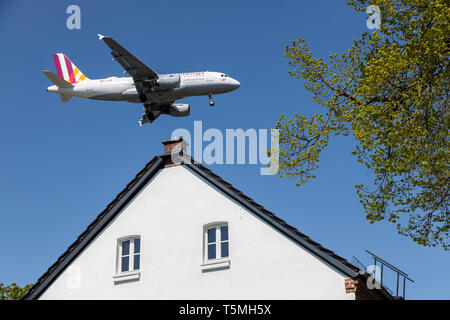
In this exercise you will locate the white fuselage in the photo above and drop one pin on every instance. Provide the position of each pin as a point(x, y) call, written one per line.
point(123, 89)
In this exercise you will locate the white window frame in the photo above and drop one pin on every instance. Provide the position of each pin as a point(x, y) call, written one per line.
point(218, 262)
point(130, 274)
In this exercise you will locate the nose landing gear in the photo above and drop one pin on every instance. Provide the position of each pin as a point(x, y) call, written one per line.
point(211, 101)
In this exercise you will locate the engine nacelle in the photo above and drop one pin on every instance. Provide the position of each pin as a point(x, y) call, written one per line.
point(179, 110)
point(168, 81)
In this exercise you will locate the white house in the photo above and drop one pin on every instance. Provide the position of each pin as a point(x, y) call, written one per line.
point(178, 231)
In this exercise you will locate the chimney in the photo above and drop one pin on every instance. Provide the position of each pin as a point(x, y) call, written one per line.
point(173, 148)
point(169, 145)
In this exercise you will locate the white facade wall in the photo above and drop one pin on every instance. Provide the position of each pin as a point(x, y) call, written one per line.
point(169, 214)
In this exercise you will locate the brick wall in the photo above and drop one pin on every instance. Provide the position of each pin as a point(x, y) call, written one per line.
point(359, 287)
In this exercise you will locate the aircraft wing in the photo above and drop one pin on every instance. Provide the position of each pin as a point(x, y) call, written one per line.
point(132, 65)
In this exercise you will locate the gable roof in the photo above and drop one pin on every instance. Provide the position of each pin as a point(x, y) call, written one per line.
point(138, 183)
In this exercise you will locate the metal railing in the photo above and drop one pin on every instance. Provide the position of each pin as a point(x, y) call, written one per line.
point(400, 273)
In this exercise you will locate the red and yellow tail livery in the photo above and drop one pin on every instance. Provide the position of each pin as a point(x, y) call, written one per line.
point(66, 70)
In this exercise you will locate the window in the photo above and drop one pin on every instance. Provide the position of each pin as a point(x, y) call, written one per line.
point(217, 242)
point(129, 254)
point(216, 246)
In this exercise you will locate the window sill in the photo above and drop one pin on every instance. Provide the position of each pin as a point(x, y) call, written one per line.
point(216, 264)
point(127, 276)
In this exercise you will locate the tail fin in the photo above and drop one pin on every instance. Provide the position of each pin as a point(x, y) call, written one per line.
point(66, 70)
point(57, 81)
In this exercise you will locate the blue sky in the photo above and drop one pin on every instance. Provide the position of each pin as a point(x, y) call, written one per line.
point(61, 164)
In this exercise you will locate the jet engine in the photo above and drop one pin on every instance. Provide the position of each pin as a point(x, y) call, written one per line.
point(179, 110)
point(168, 81)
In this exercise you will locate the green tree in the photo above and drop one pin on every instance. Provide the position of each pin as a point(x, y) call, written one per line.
point(13, 291)
point(390, 90)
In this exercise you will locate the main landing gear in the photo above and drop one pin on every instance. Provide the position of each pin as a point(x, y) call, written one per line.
point(149, 115)
point(211, 101)
point(143, 97)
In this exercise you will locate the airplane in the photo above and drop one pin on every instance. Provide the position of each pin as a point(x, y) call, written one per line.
point(157, 92)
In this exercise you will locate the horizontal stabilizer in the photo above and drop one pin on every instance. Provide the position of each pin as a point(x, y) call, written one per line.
point(65, 97)
point(57, 81)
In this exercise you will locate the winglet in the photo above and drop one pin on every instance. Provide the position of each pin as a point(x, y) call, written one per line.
point(100, 36)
